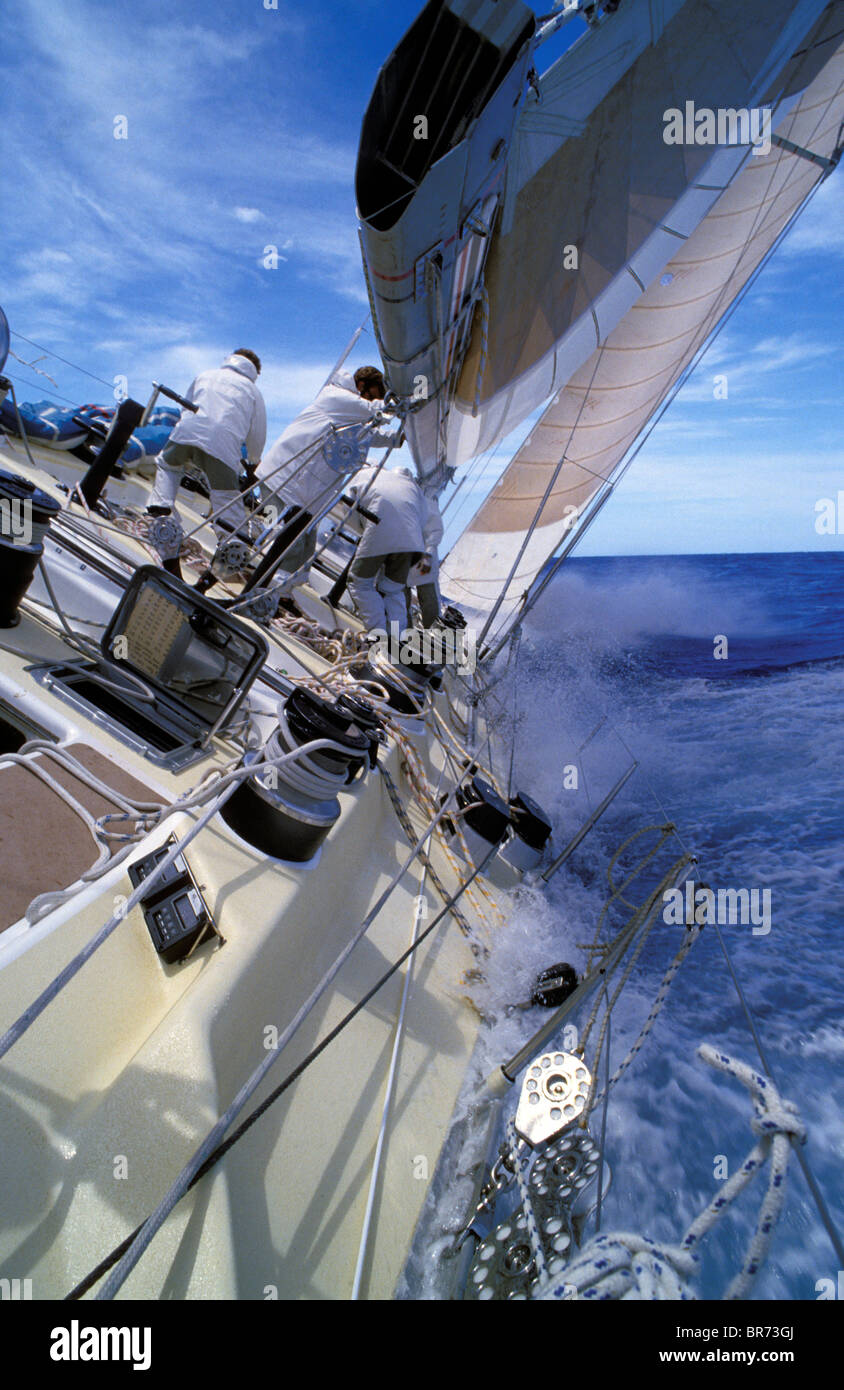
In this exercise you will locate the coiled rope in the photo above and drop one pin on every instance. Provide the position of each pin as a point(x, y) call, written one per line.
point(629, 1266)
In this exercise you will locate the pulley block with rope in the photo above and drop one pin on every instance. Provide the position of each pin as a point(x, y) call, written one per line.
point(231, 557)
point(554, 1094)
point(504, 1266)
point(564, 1177)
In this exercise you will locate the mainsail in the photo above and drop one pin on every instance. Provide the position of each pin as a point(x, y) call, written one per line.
point(741, 201)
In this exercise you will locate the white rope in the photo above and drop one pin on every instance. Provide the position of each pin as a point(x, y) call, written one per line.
point(691, 936)
point(527, 1205)
point(623, 1266)
point(777, 1123)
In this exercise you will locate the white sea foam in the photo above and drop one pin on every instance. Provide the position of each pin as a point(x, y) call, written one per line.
point(752, 776)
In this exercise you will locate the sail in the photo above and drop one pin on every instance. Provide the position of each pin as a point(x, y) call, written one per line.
point(597, 199)
point(430, 178)
point(592, 421)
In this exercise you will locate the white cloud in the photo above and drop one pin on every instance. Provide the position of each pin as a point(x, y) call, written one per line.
point(249, 215)
point(820, 226)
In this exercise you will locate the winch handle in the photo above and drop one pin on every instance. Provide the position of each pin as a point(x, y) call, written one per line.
point(350, 502)
point(174, 396)
point(159, 390)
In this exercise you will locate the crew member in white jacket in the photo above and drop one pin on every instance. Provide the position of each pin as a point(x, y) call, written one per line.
point(207, 445)
point(295, 468)
point(408, 529)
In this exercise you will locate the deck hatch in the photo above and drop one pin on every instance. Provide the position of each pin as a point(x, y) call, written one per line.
point(174, 669)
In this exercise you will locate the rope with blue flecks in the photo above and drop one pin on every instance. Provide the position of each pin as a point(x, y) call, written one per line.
point(628, 1266)
point(527, 1205)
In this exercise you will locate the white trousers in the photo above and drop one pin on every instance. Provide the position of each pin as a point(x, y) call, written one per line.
point(169, 475)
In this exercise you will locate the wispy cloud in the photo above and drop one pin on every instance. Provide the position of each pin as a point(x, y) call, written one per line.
point(147, 215)
point(820, 227)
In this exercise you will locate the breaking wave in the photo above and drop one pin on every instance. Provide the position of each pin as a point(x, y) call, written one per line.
point(619, 661)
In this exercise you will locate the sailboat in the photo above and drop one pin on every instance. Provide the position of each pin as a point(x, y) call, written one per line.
point(255, 870)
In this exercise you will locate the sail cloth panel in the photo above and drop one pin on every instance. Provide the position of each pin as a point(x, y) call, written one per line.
point(599, 414)
point(590, 169)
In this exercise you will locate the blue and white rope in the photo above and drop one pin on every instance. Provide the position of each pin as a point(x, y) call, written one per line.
point(527, 1205)
point(629, 1266)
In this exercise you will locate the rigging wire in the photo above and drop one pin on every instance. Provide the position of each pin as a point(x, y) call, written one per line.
point(64, 360)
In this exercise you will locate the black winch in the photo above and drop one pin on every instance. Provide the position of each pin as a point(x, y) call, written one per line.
point(287, 811)
point(489, 817)
point(531, 833)
point(417, 677)
point(366, 719)
point(529, 821)
point(25, 516)
point(309, 717)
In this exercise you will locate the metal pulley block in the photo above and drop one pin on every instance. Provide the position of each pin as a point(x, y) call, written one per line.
point(230, 557)
point(504, 1265)
point(563, 1180)
point(165, 534)
point(554, 1094)
point(261, 605)
point(347, 451)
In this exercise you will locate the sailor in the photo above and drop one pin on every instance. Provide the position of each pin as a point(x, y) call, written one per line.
point(408, 530)
point(296, 467)
point(207, 445)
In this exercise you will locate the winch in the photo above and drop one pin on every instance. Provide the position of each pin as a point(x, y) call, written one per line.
point(287, 811)
point(531, 833)
point(486, 819)
point(25, 516)
point(405, 688)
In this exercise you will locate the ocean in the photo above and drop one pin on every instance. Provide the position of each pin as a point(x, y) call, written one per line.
point(723, 675)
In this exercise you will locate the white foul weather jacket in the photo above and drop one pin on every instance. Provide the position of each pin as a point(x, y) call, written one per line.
point(231, 413)
point(407, 522)
point(295, 466)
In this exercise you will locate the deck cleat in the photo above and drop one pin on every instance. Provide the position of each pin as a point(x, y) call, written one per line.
point(554, 1094)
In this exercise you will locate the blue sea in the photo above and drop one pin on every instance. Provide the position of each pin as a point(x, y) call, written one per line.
point(723, 675)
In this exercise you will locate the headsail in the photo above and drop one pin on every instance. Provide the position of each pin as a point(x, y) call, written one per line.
point(475, 292)
point(585, 433)
point(594, 178)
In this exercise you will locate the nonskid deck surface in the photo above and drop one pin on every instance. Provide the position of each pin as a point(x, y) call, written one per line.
point(43, 843)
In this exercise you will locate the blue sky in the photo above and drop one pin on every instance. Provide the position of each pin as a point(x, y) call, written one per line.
point(143, 256)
